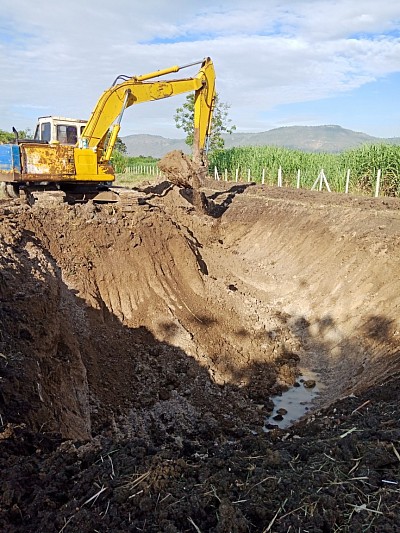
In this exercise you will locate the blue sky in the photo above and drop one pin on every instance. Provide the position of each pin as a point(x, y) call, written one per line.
point(278, 63)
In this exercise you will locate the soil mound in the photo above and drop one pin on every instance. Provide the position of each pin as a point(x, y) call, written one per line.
point(181, 170)
point(141, 348)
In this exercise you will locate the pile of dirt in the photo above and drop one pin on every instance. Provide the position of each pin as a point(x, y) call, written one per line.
point(181, 170)
point(140, 349)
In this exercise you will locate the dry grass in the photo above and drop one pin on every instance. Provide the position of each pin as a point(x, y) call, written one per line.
point(126, 179)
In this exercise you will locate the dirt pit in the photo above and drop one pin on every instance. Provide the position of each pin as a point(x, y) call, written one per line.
point(140, 347)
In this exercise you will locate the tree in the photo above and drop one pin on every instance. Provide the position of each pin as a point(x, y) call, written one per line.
point(8, 137)
point(120, 146)
point(221, 123)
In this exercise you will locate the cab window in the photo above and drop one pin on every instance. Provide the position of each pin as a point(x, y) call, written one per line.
point(66, 134)
point(45, 131)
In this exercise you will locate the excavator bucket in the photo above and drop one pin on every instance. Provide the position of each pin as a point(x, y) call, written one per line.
point(179, 169)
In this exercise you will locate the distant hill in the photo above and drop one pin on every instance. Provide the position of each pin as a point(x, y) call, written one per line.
point(306, 138)
point(152, 145)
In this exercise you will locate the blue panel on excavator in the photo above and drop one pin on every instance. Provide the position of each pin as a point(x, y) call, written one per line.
point(10, 160)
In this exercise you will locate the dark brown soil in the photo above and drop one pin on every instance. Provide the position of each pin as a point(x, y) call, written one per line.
point(140, 347)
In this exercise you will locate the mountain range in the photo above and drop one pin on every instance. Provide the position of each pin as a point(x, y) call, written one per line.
point(330, 138)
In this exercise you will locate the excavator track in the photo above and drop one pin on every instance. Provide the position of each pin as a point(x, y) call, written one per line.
point(46, 198)
point(9, 190)
point(127, 200)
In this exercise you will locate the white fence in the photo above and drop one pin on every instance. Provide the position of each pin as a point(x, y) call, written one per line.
point(319, 183)
point(147, 170)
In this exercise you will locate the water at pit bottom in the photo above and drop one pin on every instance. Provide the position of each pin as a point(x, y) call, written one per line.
point(297, 401)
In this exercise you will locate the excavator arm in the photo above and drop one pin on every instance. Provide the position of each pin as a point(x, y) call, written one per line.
point(101, 131)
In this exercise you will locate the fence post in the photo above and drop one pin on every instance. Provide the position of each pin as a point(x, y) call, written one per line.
point(216, 176)
point(347, 181)
point(280, 177)
point(226, 175)
point(236, 174)
point(320, 180)
point(326, 181)
point(248, 175)
point(263, 177)
point(298, 179)
point(378, 183)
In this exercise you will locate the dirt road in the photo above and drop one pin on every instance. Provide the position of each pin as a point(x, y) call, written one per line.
point(141, 347)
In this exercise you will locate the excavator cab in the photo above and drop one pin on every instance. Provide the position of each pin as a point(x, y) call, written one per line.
point(59, 130)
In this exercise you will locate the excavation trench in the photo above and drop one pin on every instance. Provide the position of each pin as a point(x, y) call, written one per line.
point(144, 347)
point(113, 319)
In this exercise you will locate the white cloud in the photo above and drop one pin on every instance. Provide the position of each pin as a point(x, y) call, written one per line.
point(267, 53)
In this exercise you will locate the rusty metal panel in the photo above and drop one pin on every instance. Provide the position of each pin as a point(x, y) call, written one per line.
point(47, 162)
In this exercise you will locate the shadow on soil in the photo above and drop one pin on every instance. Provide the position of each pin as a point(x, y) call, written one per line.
point(225, 198)
point(79, 371)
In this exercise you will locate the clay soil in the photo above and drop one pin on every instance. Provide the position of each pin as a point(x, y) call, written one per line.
point(142, 343)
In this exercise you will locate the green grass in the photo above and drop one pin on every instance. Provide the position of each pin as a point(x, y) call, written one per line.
point(120, 161)
point(127, 179)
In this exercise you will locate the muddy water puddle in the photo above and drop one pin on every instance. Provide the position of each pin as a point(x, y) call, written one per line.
point(295, 402)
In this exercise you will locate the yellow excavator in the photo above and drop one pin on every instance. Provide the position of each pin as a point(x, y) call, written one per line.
point(70, 154)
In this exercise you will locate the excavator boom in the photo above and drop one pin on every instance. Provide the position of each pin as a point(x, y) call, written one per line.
point(138, 89)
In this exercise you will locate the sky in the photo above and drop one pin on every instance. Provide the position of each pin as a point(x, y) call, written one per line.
point(278, 63)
